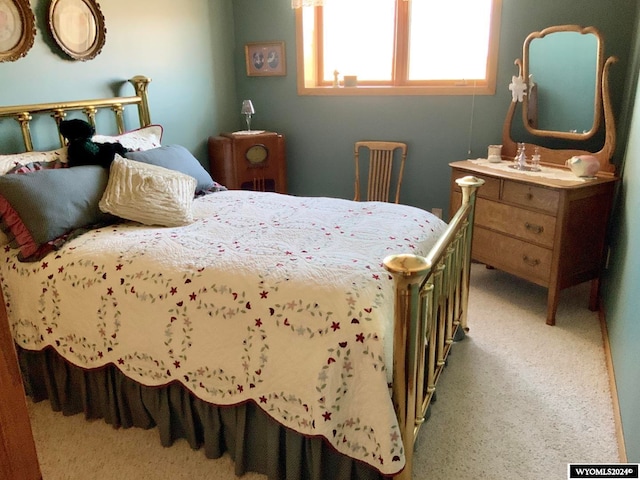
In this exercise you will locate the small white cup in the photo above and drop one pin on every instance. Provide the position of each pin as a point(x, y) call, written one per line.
point(350, 80)
point(494, 153)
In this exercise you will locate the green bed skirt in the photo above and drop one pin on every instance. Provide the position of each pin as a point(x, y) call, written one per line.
point(253, 439)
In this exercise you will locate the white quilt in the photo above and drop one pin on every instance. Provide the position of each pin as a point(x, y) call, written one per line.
point(277, 299)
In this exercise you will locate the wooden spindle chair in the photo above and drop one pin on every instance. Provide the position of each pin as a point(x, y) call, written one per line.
point(380, 170)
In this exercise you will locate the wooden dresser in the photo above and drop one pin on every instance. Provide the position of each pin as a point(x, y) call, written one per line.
point(547, 231)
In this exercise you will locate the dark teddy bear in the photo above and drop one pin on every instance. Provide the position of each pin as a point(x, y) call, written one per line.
point(84, 151)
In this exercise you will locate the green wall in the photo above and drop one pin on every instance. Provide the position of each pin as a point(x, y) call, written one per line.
point(622, 300)
point(622, 279)
point(186, 48)
point(321, 130)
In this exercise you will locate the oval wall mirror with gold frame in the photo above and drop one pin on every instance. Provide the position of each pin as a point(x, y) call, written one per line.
point(563, 68)
point(17, 29)
point(78, 27)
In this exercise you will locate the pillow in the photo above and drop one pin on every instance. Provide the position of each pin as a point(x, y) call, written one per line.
point(143, 138)
point(148, 194)
point(175, 157)
point(40, 207)
point(46, 160)
point(8, 162)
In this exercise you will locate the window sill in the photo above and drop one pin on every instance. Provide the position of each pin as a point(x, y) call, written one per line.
point(404, 91)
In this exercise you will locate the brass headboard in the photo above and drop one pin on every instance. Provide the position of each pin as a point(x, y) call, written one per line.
point(23, 113)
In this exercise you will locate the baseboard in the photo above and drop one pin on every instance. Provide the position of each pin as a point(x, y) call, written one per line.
point(622, 451)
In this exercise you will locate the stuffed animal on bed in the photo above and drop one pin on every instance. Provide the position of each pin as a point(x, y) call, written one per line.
point(83, 150)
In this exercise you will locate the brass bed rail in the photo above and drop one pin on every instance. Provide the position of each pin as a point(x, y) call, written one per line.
point(23, 114)
point(431, 301)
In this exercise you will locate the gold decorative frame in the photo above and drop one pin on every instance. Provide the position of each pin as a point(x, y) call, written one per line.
point(78, 27)
point(17, 29)
point(265, 59)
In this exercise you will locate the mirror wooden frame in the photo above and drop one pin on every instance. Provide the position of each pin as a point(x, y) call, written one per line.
point(77, 43)
point(598, 97)
point(21, 14)
point(555, 156)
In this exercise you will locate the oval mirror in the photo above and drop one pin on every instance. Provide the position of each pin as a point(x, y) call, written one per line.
point(564, 71)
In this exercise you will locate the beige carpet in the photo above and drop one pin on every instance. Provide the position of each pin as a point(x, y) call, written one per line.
point(518, 400)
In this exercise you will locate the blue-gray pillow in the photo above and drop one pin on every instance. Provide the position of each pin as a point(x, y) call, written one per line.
point(176, 157)
point(39, 207)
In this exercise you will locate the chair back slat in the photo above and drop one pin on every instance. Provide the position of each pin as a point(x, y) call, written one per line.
point(380, 167)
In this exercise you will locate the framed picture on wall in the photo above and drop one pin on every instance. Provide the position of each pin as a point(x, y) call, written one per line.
point(17, 29)
point(265, 59)
point(78, 27)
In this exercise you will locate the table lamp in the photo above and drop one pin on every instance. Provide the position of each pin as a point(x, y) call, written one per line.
point(247, 110)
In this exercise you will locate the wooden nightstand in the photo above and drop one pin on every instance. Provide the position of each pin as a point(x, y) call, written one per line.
point(249, 161)
point(550, 232)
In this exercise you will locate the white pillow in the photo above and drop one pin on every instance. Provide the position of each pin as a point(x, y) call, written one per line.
point(7, 162)
point(148, 194)
point(143, 138)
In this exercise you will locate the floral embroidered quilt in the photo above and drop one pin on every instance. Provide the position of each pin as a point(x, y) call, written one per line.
point(275, 299)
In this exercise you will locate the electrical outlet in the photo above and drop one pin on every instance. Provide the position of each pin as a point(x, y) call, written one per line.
point(437, 212)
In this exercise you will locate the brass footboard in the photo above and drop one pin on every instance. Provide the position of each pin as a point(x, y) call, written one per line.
point(431, 304)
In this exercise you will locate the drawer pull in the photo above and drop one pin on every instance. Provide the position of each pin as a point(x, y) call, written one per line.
point(534, 228)
point(529, 196)
point(532, 262)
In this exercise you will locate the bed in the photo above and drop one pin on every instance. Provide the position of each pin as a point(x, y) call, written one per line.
point(304, 336)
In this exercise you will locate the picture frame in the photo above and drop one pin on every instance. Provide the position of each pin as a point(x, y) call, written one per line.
point(265, 59)
point(17, 29)
point(77, 26)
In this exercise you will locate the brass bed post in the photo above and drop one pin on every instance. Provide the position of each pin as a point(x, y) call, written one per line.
point(431, 292)
point(58, 115)
point(140, 83)
point(90, 112)
point(469, 186)
point(118, 110)
point(409, 272)
point(23, 119)
point(454, 260)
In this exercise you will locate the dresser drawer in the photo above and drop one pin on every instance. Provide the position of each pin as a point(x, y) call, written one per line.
point(490, 189)
point(531, 196)
point(511, 255)
point(527, 225)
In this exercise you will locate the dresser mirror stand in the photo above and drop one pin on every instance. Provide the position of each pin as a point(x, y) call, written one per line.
point(534, 100)
point(550, 229)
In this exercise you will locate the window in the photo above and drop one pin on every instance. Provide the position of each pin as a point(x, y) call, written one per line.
point(399, 47)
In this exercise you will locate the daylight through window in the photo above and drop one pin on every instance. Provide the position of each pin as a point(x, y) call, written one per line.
point(399, 47)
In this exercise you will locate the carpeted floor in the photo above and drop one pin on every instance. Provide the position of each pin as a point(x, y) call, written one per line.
point(518, 400)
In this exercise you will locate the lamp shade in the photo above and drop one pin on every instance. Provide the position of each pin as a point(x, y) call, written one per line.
point(247, 108)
